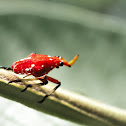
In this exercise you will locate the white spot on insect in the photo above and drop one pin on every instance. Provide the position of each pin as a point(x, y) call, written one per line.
point(51, 66)
point(32, 65)
point(61, 60)
point(49, 56)
point(25, 58)
point(42, 65)
point(60, 57)
point(27, 69)
point(28, 58)
point(21, 59)
point(50, 59)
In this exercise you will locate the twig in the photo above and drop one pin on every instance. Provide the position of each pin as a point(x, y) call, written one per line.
point(63, 103)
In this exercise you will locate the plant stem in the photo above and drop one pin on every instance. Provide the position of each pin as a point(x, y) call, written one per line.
point(63, 103)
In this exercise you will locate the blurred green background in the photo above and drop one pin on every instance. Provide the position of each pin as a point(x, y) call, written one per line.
point(93, 29)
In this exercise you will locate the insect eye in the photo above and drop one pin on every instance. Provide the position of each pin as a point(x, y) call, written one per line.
point(61, 64)
point(58, 56)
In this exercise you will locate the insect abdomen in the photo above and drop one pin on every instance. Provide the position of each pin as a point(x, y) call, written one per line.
point(22, 66)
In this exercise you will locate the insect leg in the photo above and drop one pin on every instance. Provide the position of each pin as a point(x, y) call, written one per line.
point(27, 75)
point(43, 79)
point(29, 85)
point(16, 80)
point(54, 81)
point(6, 68)
point(21, 80)
point(26, 87)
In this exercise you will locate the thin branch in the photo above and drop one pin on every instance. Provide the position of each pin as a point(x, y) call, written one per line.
point(63, 103)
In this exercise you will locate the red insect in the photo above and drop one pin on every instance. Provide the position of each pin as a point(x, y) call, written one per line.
point(39, 66)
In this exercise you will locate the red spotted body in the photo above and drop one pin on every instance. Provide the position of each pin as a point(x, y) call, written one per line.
point(39, 66)
point(36, 64)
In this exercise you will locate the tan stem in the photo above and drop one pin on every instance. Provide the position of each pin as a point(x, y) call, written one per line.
point(63, 103)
